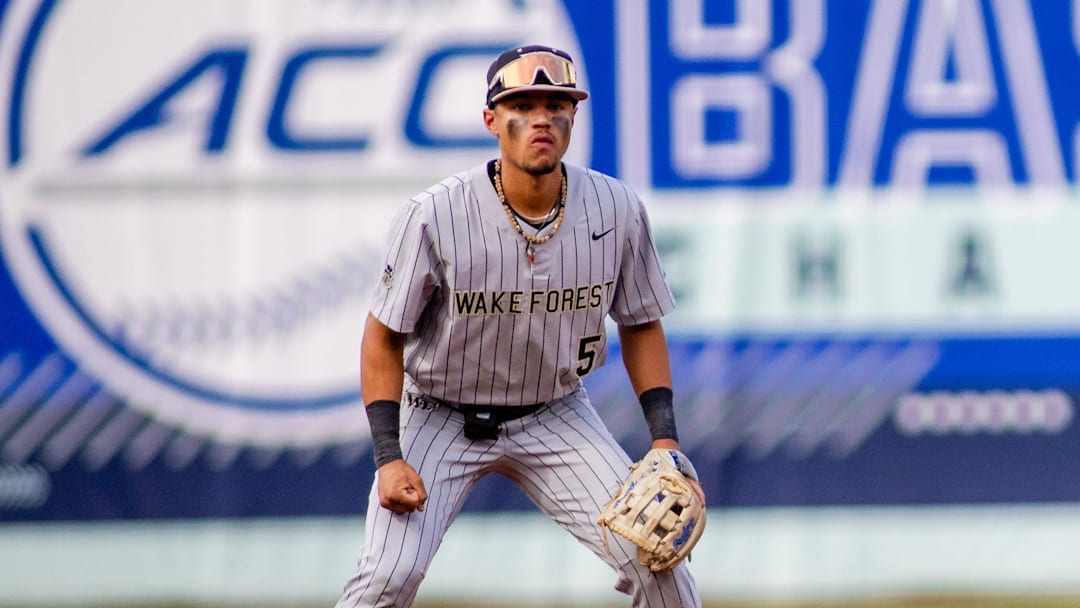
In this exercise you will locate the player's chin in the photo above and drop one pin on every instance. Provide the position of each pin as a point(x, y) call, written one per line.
point(543, 164)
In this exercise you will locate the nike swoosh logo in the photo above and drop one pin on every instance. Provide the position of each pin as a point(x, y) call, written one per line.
point(597, 237)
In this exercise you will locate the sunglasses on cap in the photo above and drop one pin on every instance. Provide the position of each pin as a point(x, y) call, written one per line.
point(523, 71)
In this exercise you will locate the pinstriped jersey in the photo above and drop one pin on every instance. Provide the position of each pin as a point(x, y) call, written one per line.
point(486, 326)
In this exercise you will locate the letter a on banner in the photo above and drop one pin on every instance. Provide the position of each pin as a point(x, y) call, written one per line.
point(154, 112)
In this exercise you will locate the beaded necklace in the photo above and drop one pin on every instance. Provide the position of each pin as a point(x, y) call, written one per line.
point(531, 240)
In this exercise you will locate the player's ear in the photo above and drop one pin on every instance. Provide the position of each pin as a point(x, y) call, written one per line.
point(489, 121)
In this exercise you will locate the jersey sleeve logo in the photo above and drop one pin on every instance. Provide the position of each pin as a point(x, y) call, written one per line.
point(388, 275)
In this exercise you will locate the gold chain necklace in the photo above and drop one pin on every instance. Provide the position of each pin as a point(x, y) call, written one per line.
point(531, 240)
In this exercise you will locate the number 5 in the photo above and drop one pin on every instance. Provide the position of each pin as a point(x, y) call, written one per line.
point(586, 354)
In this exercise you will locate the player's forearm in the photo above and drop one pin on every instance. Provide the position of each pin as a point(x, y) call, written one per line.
point(381, 376)
point(645, 355)
point(382, 366)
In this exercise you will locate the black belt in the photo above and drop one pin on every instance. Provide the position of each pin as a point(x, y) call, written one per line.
point(481, 421)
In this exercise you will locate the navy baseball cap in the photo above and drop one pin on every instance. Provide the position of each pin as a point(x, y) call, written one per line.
point(532, 68)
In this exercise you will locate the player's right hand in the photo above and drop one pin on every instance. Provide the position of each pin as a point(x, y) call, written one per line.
point(401, 489)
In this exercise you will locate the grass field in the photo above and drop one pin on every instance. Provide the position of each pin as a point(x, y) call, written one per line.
point(905, 602)
point(908, 602)
point(1020, 602)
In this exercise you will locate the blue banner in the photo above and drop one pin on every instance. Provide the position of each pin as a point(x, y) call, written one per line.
point(192, 206)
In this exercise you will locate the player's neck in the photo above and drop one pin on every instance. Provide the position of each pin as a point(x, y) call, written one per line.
point(531, 195)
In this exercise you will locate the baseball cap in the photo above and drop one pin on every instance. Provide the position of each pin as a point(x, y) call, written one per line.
point(532, 68)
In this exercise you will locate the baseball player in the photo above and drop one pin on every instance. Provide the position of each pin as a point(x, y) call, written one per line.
point(489, 311)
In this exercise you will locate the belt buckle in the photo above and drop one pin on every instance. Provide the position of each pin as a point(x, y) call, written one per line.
point(481, 424)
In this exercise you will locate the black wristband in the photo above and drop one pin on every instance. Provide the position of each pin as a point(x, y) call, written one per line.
point(659, 408)
point(384, 416)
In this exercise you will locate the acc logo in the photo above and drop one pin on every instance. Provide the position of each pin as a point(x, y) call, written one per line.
point(195, 198)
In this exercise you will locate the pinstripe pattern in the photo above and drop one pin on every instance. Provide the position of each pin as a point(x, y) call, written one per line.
point(589, 467)
point(484, 326)
point(487, 327)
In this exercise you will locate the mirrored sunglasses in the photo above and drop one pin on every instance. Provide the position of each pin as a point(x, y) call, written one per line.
point(524, 70)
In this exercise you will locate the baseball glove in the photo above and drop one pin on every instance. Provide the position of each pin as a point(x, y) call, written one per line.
point(657, 510)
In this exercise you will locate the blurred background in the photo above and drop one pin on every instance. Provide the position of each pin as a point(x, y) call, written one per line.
point(867, 211)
